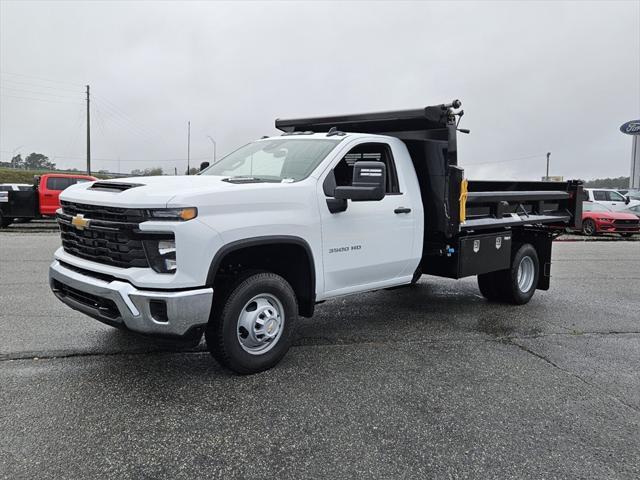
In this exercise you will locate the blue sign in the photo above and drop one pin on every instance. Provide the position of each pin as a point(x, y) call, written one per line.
point(631, 128)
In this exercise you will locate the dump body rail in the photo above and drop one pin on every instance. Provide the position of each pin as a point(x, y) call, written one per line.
point(500, 204)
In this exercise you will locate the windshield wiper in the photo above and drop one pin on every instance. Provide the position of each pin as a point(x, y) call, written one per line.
point(251, 179)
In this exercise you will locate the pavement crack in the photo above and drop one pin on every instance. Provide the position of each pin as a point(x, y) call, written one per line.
point(524, 348)
point(569, 334)
point(201, 348)
point(75, 354)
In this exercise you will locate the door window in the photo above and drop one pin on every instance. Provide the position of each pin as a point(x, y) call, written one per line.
point(600, 195)
point(614, 197)
point(60, 183)
point(378, 152)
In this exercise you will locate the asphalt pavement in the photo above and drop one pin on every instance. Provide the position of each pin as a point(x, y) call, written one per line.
point(430, 381)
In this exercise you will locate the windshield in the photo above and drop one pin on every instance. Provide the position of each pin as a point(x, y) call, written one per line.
point(594, 207)
point(274, 160)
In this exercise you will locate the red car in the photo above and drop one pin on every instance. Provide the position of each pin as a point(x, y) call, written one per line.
point(597, 218)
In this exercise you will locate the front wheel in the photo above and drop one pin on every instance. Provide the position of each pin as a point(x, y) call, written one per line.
point(251, 328)
point(589, 227)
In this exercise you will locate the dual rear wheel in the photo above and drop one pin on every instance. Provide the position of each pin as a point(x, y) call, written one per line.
point(517, 284)
point(5, 221)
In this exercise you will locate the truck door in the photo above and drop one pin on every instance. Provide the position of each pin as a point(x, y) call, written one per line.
point(371, 243)
point(50, 189)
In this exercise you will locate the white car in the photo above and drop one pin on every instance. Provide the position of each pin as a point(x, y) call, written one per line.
point(635, 209)
point(609, 198)
point(631, 194)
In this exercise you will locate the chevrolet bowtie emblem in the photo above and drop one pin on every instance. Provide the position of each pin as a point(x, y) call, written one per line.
point(80, 222)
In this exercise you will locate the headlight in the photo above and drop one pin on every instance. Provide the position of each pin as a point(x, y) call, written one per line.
point(176, 214)
point(161, 255)
point(607, 220)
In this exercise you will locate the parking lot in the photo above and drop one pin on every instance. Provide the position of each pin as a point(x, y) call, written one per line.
point(428, 381)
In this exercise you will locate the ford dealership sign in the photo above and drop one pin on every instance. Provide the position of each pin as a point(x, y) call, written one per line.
point(631, 128)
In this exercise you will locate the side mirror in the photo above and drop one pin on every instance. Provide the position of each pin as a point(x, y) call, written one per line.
point(368, 184)
point(627, 200)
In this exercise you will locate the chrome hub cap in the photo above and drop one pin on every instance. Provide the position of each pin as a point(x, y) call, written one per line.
point(260, 324)
point(526, 274)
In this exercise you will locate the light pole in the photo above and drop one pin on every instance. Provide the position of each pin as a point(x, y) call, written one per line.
point(214, 147)
point(548, 155)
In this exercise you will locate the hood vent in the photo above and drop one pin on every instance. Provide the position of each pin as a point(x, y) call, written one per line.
point(114, 186)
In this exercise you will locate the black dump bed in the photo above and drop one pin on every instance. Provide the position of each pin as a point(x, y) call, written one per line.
point(471, 227)
point(430, 134)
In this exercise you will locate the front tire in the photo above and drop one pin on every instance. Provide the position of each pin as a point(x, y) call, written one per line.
point(589, 227)
point(252, 326)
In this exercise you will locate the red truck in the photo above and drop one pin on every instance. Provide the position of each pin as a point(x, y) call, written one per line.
point(41, 200)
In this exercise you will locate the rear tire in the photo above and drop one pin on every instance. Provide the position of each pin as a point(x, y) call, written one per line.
point(489, 286)
point(517, 284)
point(252, 325)
point(589, 227)
point(4, 221)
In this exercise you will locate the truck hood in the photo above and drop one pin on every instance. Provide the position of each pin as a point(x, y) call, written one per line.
point(154, 192)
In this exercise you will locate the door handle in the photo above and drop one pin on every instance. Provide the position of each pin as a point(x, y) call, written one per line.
point(402, 210)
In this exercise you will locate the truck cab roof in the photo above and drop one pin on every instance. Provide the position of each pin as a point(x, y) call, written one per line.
point(339, 135)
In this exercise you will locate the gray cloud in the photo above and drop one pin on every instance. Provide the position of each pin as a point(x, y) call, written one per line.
point(533, 77)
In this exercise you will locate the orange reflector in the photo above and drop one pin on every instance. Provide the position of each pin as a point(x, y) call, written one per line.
point(464, 186)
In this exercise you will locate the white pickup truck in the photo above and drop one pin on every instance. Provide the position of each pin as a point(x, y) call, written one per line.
point(333, 206)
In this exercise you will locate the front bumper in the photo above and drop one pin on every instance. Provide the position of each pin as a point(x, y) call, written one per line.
point(120, 304)
point(617, 228)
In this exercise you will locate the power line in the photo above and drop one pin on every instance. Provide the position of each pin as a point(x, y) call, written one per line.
point(124, 121)
point(114, 111)
point(40, 99)
point(42, 79)
point(103, 129)
point(38, 93)
point(31, 85)
point(75, 132)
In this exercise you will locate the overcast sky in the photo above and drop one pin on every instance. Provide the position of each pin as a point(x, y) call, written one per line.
point(533, 77)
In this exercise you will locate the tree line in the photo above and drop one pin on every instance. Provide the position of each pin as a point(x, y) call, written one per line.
point(33, 161)
point(39, 161)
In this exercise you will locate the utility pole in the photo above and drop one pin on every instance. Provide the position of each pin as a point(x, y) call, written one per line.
point(188, 147)
point(548, 155)
point(88, 136)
